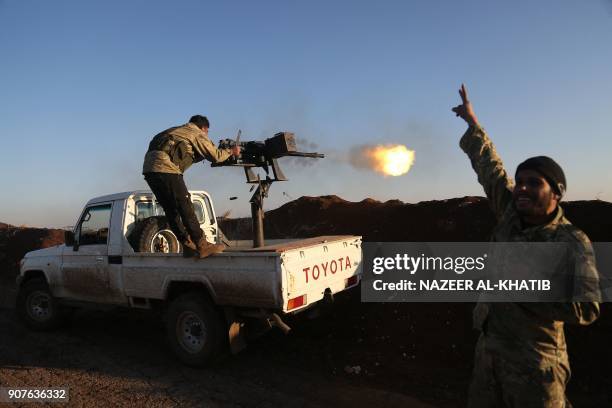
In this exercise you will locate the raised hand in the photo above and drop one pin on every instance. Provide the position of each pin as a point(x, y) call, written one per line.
point(465, 110)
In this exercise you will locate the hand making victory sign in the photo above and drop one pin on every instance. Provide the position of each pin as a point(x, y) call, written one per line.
point(465, 110)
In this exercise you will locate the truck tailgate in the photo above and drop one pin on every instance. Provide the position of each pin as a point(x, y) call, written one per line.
point(309, 270)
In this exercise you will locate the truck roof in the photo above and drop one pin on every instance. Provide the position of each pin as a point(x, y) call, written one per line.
point(118, 196)
point(126, 194)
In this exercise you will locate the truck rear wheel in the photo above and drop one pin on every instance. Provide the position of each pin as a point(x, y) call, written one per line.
point(37, 307)
point(153, 234)
point(195, 330)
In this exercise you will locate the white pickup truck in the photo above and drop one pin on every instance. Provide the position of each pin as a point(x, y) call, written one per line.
point(120, 253)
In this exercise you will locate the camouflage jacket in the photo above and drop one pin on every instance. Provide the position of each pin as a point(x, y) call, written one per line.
point(527, 331)
point(175, 149)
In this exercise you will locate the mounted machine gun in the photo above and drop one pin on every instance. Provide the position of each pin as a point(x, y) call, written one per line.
point(265, 155)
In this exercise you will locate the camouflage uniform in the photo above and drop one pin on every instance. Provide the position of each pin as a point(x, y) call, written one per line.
point(170, 154)
point(521, 356)
point(174, 150)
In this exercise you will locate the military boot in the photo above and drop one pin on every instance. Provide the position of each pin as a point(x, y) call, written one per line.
point(189, 249)
point(205, 248)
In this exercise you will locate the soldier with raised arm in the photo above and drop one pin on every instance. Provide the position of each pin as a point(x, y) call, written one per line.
point(521, 357)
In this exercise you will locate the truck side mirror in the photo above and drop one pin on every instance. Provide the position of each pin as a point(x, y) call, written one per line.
point(69, 238)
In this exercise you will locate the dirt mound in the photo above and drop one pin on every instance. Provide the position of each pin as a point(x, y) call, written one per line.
point(16, 241)
point(456, 219)
point(593, 217)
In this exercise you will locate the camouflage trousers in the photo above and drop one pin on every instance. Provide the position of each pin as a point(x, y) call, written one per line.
point(497, 382)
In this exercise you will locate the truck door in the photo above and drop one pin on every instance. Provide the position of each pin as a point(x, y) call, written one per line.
point(85, 266)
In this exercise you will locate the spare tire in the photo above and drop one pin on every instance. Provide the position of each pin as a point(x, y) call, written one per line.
point(153, 234)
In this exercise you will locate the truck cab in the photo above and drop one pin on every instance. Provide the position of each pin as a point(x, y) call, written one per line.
point(90, 267)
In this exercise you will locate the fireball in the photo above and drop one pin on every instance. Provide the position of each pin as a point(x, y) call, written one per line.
point(390, 160)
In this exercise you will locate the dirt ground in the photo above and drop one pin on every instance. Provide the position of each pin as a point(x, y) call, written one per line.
point(409, 355)
point(116, 358)
point(360, 354)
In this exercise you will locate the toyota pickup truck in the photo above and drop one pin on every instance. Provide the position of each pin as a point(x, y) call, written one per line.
point(122, 253)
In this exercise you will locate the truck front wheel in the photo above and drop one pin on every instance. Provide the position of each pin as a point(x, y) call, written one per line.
point(195, 330)
point(37, 307)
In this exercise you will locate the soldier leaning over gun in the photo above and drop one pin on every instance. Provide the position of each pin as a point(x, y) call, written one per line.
point(170, 154)
point(521, 356)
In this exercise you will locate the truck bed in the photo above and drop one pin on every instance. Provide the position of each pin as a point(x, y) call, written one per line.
point(265, 277)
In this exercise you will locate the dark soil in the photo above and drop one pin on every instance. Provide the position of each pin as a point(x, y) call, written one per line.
point(456, 219)
point(14, 243)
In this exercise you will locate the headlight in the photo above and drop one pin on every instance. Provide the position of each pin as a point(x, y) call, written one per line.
point(21, 264)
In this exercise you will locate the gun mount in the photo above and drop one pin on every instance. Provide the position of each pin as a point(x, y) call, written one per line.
point(265, 155)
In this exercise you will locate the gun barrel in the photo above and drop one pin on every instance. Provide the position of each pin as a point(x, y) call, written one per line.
point(301, 154)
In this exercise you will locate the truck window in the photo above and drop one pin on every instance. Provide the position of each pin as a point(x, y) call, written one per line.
point(199, 211)
point(94, 225)
point(146, 209)
point(210, 211)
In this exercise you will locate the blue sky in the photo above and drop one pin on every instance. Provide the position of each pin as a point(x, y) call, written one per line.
point(85, 85)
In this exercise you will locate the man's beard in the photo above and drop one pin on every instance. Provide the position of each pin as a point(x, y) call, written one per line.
point(537, 207)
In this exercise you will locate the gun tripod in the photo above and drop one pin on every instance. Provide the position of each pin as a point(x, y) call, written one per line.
point(257, 212)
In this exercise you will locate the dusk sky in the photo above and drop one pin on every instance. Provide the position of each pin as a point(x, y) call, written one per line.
point(85, 86)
